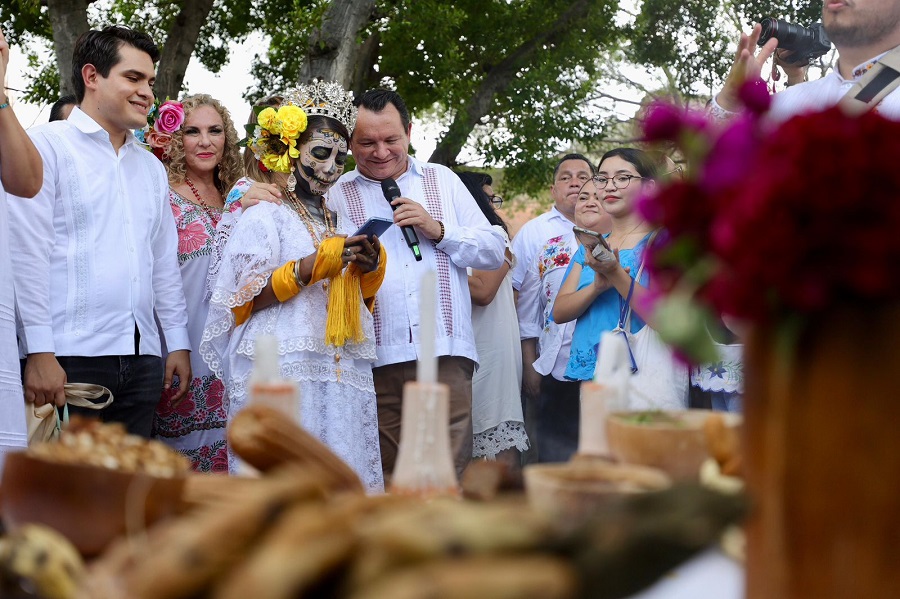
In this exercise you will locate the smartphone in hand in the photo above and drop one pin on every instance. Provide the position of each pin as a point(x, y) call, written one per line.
point(594, 243)
point(374, 226)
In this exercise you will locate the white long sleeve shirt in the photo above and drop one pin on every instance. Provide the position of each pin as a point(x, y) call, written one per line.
point(469, 241)
point(822, 94)
point(96, 249)
point(525, 277)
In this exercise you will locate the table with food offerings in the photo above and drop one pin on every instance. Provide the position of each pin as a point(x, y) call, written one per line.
point(101, 514)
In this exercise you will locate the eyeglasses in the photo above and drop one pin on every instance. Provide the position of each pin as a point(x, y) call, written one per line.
point(496, 200)
point(619, 181)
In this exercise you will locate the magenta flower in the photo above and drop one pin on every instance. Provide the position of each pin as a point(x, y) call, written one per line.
point(754, 94)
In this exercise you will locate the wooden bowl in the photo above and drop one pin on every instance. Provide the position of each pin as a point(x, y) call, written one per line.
point(89, 505)
point(671, 441)
point(570, 492)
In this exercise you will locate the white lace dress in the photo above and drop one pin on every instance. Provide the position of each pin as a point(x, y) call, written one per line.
point(337, 395)
point(497, 420)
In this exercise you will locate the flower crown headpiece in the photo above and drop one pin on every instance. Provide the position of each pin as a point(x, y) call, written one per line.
point(164, 119)
point(273, 138)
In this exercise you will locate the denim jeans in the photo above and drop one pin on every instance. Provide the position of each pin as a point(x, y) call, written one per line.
point(135, 382)
point(557, 415)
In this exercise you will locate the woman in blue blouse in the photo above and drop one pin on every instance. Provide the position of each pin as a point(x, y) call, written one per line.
point(594, 291)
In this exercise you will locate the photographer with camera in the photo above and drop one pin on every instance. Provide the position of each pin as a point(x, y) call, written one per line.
point(866, 34)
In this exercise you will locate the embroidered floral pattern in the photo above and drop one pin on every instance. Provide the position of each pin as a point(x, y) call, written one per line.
point(554, 254)
point(202, 409)
point(196, 229)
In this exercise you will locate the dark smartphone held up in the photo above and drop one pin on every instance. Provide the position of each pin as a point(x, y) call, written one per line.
point(374, 226)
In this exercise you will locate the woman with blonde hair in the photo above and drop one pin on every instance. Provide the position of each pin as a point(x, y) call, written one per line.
point(197, 142)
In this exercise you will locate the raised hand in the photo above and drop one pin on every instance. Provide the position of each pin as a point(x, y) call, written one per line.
point(747, 65)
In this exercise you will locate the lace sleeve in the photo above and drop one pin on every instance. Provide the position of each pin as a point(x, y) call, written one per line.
point(252, 252)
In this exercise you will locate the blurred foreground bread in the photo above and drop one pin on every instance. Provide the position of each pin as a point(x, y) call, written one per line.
point(305, 529)
point(265, 438)
point(724, 444)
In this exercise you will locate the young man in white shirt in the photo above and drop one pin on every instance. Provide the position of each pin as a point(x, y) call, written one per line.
point(96, 254)
point(453, 235)
point(861, 30)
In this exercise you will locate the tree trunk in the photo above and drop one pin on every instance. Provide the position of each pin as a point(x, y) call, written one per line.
point(333, 51)
point(495, 81)
point(180, 42)
point(69, 20)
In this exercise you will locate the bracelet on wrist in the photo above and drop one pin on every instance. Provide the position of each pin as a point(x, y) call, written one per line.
point(441, 236)
point(4, 104)
point(297, 273)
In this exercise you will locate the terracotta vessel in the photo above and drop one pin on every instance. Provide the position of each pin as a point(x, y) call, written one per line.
point(822, 455)
point(89, 505)
point(674, 442)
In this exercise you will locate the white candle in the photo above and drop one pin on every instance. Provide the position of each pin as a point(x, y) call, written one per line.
point(427, 366)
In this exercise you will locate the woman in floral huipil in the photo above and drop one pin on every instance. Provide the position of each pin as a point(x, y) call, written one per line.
point(202, 160)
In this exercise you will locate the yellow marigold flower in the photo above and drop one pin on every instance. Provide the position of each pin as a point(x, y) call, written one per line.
point(268, 120)
point(292, 120)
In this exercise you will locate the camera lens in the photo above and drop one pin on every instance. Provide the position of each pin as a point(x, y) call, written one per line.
point(790, 36)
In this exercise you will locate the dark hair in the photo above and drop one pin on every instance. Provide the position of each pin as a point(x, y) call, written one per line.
point(642, 162)
point(574, 157)
point(101, 49)
point(377, 99)
point(475, 182)
point(57, 108)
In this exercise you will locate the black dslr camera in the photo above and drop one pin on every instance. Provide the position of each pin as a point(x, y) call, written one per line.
point(805, 43)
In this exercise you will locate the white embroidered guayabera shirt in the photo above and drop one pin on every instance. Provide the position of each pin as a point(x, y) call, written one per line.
point(469, 241)
point(96, 249)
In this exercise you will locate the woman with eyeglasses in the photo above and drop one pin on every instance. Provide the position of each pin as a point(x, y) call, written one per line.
point(595, 290)
point(498, 425)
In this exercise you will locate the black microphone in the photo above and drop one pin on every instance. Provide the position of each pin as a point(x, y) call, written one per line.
point(392, 192)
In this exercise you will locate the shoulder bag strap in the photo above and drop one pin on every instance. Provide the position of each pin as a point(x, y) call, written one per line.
point(874, 86)
point(626, 324)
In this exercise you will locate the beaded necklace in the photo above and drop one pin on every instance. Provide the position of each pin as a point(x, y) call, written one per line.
point(215, 213)
point(295, 204)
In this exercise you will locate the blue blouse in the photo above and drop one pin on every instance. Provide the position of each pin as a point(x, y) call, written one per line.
point(602, 315)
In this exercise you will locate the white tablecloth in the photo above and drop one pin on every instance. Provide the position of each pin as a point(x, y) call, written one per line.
point(710, 575)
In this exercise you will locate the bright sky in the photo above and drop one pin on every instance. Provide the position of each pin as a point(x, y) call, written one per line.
point(226, 87)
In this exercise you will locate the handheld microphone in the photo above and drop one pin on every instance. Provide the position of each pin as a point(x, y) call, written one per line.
point(392, 192)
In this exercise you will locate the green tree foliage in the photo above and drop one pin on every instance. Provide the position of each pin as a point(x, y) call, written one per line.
point(515, 81)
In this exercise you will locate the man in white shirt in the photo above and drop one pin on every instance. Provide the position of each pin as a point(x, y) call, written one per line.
point(861, 30)
point(569, 176)
point(453, 235)
point(96, 248)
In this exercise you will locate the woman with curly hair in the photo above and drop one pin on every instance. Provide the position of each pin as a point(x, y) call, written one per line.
point(203, 163)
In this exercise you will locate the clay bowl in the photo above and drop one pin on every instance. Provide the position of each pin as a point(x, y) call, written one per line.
point(673, 441)
point(89, 505)
point(570, 492)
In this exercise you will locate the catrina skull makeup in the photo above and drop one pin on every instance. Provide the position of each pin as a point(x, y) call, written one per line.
point(322, 160)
